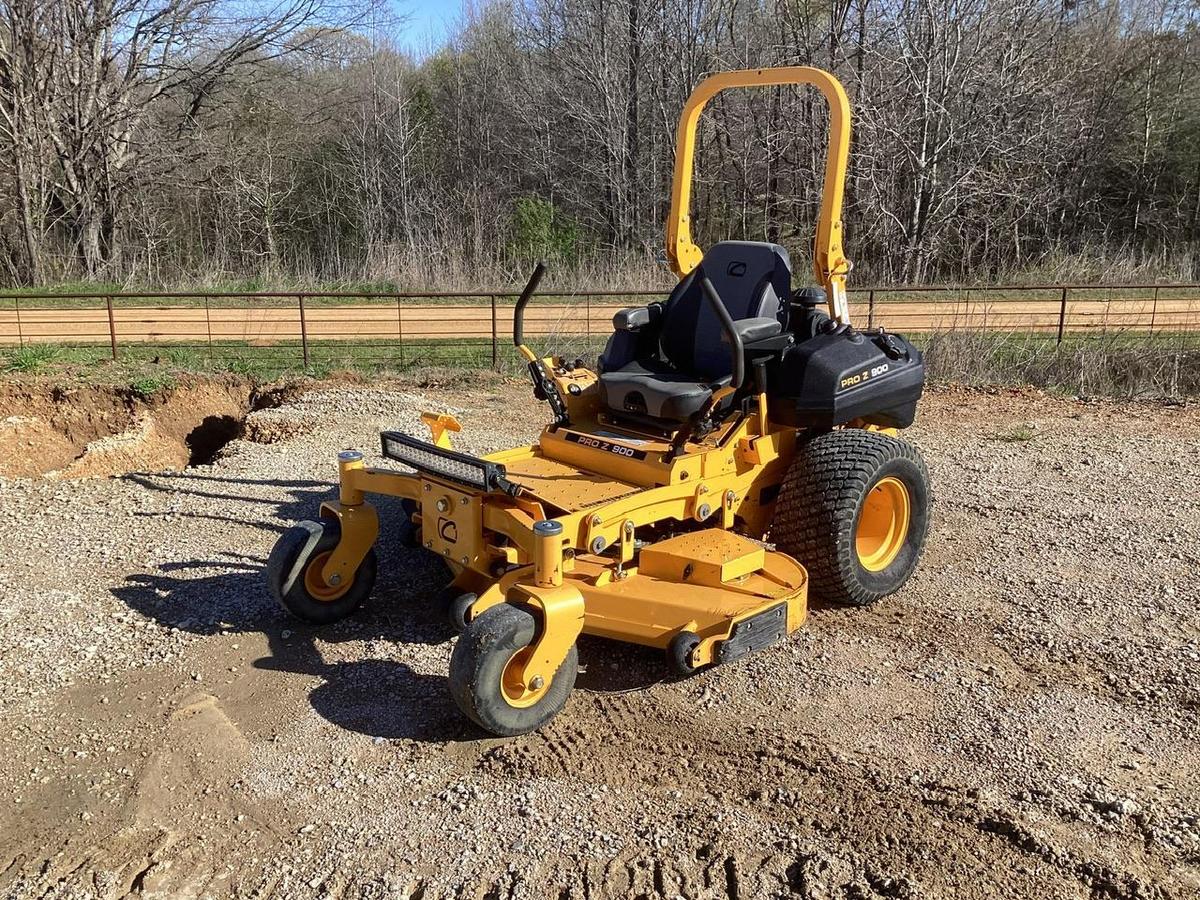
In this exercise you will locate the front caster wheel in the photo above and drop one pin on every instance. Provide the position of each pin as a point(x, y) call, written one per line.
point(679, 653)
point(295, 580)
point(457, 603)
point(483, 674)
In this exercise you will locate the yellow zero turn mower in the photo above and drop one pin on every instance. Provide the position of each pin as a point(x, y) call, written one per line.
point(733, 412)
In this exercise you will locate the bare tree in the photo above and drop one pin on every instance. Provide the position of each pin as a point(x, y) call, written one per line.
point(81, 75)
point(992, 138)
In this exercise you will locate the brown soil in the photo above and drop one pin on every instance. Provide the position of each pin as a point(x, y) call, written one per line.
point(96, 430)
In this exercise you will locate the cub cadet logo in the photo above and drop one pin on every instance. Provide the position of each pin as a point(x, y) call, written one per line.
point(736, 269)
point(865, 375)
point(448, 530)
point(599, 444)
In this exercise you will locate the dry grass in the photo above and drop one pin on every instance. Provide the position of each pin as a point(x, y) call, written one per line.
point(431, 267)
point(1119, 364)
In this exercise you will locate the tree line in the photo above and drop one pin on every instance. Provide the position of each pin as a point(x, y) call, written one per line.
point(177, 141)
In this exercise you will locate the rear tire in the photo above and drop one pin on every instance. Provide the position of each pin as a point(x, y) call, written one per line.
point(481, 658)
point(301, 590)
point(854, 511)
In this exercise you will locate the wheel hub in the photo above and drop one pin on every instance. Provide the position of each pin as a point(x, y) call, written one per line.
point(516, 691)
point(883, 524)
point(314, 581)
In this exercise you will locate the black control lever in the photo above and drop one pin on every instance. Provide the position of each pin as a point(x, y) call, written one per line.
point(543, 384)
point(736, 351)
point(519, 313)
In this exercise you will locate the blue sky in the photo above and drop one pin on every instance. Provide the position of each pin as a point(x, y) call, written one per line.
point(428, 20)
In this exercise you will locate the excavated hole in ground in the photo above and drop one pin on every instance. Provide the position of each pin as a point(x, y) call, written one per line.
point(206, 441)
point(98, 430)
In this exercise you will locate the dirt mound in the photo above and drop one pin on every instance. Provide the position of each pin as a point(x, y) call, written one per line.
point(96, 430)
point(29, 440)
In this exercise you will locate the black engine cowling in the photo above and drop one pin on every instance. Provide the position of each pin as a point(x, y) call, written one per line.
point(841, 375)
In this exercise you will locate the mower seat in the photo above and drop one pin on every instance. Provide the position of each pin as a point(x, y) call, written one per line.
point(652, 388)
point(665, 360)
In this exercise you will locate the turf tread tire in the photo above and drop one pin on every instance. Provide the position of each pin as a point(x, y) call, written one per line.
point(817, 512)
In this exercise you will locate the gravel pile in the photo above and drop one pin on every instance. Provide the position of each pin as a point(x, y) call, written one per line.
point(1020, 721)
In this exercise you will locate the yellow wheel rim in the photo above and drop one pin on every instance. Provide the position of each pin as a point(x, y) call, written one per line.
point(314, 582)
point(883, 524)
point(515, 691)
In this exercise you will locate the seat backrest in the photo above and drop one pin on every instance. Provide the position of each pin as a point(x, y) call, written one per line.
point(753, 279)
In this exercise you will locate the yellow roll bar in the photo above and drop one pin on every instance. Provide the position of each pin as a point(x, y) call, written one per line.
point(829, 262)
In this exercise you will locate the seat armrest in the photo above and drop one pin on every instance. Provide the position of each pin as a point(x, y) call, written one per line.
point(757, 329)
point(637, 317)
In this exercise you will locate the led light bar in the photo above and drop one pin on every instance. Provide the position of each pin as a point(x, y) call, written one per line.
point(449, 464)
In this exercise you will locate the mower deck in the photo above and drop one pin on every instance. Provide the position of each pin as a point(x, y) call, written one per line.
point(713, 584)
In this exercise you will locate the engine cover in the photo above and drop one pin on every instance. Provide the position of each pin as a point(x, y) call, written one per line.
point(834, 378)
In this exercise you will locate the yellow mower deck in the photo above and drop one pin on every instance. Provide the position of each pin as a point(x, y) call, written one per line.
point(602, 485)
point(707, 582)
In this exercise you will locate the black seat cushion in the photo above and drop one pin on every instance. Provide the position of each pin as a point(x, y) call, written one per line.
point(669, 367)
point(652, 388)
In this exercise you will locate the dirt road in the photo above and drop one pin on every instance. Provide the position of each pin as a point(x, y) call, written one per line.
point(1020, 722)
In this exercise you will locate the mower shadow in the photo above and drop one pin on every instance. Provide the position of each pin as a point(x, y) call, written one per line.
point(379, 697)
point(303, 497)
point(386, 698)
point(382, 698)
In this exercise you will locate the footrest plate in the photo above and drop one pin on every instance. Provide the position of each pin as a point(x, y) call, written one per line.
point(712, 557)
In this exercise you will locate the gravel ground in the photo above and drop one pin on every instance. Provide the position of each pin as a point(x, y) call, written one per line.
point(1019, 721)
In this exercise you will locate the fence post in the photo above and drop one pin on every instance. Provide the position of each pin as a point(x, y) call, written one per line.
point(400, 329)
point(1154, 310)
point(303, 332)
point(871, 308)
point(208, 328)
point(495, 337)
point(1062, 315)
point(20, 333)
point(112, 326)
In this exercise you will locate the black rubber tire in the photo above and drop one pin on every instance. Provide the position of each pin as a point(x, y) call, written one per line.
point(410, 534)
point(296, 598)
point(478, 662)
point(457, 607)
point(819, 506)
point(679, 653)
point(452, 603)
